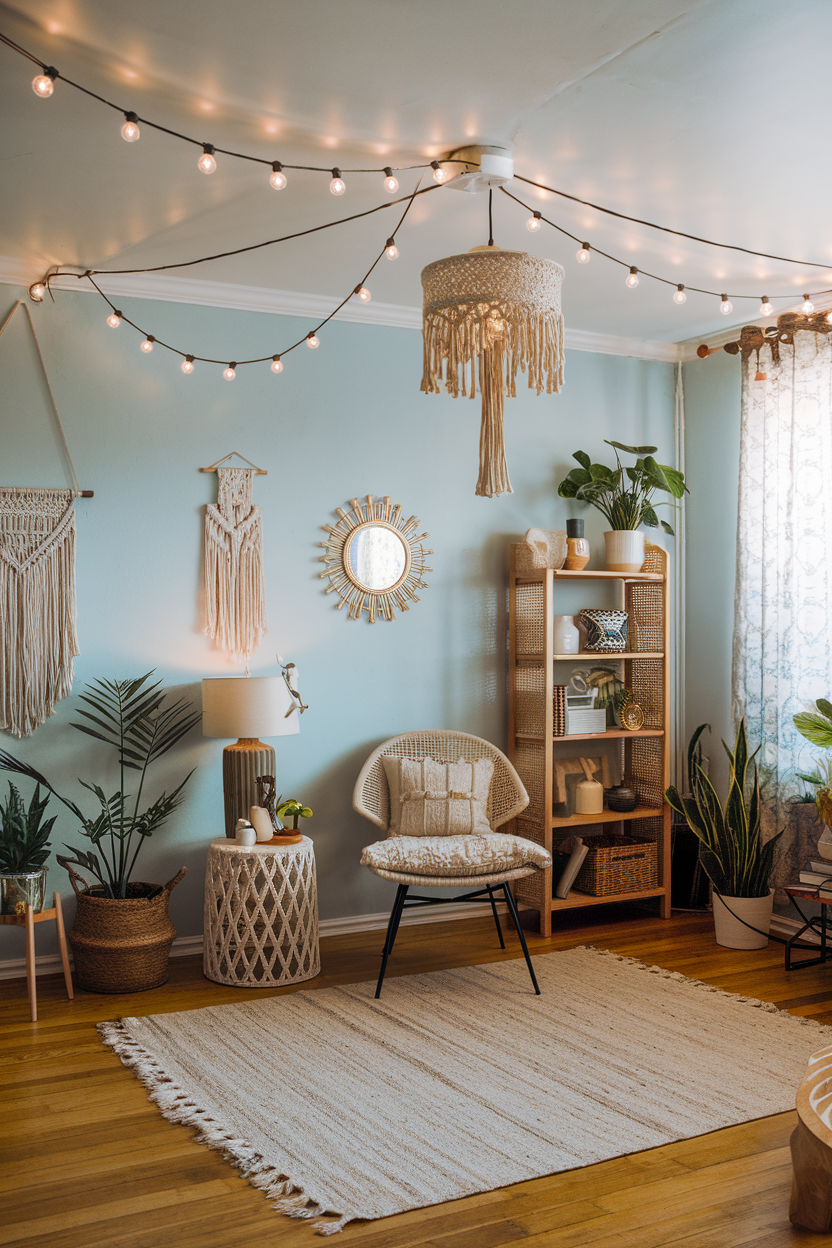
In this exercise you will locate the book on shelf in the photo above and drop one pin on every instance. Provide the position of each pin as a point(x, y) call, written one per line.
point(819, 879)
point(819, 865)
point(567, 861)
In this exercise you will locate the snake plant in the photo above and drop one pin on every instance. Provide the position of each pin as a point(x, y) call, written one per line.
point(24, 837)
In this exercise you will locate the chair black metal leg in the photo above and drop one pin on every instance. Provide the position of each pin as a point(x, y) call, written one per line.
point(496, 917)
point(512, 909)
point(392, 929)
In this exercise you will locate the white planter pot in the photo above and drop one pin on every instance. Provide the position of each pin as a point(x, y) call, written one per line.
point(625, 550)
point(731, 932)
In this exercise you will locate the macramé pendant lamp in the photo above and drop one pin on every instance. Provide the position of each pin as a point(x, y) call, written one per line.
point(484, 313)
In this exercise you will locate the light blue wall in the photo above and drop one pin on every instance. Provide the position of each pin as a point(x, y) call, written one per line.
point(345, 420)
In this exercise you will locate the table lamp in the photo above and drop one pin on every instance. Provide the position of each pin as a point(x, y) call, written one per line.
point(246, 707)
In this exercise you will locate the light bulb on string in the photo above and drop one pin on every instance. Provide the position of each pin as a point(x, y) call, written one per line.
point(583, 255)
point(114, 319)
point(390, 249)
point(44, 84)
point(808, 307)
point(391, 184)
point(231, 372)
point(206, 162)
point(277, 364)
point(147, 345)
point(439, 174)
point(312, 340)
point(829, 318)
point(130, 131)
point(533, 223)
point(632, 278)
point(187, 364)
point(363, 294)
point(726, 307)
point(679, 296)
point(36, 292)
point(337, 186)
point(278, 178)
point(765, 307)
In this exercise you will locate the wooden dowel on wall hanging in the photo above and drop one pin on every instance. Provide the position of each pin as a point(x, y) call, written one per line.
point(258, 472)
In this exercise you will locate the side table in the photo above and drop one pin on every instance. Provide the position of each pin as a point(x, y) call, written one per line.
point(261, 914)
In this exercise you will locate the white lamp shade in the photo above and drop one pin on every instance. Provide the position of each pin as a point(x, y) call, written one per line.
point(247, 706)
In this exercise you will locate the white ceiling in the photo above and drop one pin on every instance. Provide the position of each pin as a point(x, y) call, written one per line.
point(705, 115)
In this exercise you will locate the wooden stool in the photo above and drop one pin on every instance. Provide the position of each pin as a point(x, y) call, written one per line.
point(29, 919)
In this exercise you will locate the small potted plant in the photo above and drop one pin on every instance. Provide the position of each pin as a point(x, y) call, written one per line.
point(624, 496)
point(816, 726)
point(731, 850)
point(122, 934)
point(24, 848)
point(294, 810)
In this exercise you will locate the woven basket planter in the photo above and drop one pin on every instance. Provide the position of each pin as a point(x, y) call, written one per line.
point(121, 945)
point(618, 864)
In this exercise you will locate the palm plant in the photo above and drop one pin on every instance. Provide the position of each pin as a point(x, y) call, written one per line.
point(24, 838)
point(816, 726)
point(624, 494)
point(731, 848)
point(130, 716)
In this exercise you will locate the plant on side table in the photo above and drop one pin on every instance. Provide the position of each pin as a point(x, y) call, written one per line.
point(816, 726)
point(624, 495)
point(24, 849)
point(294, 810)
point(122, 934)
point(732, 852)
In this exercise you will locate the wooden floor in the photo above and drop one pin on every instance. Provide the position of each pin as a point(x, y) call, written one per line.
point(88, 1161)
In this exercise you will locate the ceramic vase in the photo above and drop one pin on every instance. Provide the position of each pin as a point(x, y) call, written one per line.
point(733, 913)
point(577, 547)
point(625, 550)
point(589, 798)
point(565, 635)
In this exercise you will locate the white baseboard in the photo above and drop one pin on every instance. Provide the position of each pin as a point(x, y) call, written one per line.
point(190, 946)
point(781, 926)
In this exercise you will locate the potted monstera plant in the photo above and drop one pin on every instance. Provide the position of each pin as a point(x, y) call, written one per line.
point(24, 849)
point(625, 497)
point(122, 933)
point(732, 852)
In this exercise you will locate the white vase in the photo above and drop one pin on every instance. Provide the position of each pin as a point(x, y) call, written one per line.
point(566, 637)
point(731, 932)
point(625, 550)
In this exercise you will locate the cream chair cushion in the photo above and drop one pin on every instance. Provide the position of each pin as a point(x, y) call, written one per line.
point(444, 855)
point(429, 798)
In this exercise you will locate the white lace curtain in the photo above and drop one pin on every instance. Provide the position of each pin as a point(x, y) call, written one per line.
point(782, 655)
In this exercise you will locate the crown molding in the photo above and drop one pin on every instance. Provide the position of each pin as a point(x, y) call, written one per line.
point(240, 298)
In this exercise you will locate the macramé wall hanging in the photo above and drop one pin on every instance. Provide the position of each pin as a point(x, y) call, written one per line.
point(484, 313)
point(235, 605)
point(38, 638)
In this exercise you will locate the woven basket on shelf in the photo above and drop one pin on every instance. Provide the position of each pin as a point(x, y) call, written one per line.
point(618, 864)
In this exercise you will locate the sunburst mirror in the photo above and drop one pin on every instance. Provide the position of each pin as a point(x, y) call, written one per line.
point(375, 560)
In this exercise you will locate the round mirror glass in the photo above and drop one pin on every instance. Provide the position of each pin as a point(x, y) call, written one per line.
point(377, 556)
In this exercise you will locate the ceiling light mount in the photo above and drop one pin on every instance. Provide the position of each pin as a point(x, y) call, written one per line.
point(480, 167)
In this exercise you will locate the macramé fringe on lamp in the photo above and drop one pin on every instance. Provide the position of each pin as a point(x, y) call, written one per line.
point(485, 313)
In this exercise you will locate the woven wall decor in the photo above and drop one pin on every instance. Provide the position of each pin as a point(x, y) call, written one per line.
point(235, 606)
point(485, 313)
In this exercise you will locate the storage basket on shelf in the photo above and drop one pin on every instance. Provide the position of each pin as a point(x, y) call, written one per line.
point(618, 864)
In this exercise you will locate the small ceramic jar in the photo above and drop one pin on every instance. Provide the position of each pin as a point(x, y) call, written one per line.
point(566, 637)
point(245, 834)
point(589, 798)
point(577, 547)
point(261, 822)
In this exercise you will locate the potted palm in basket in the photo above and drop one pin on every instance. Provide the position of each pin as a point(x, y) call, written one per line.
point(731, 850)
point(122, 934)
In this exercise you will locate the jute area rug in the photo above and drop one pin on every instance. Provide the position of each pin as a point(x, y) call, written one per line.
point(463, 1081)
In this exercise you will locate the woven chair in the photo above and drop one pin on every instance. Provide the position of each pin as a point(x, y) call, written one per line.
point(506, 798)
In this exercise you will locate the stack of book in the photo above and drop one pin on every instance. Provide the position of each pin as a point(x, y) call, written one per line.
point(819, 873)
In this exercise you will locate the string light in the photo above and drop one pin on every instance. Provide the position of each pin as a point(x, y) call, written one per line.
point(583, 255)
point(278, 178)
point(36, 292)
point(337, 186)
point(726, 307)
point(632, 277)
point(808, 306)
point(533, 223)
point(277, 364)
point(363, 294)
point(231, 372)
point(829, 318)
point(130, 131)
point(44, 84)
point(147, 345)
point(391, 184)
point(206, 162)
point(679, 296)
point(391, 250)
point(312, 341)
point(439, 174)
point(765, 307)
point(114, 320)
point(188, 364)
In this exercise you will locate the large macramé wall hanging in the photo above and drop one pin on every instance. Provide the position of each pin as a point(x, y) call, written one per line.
point(485, 313)
point(235, 605)
point(38, 638)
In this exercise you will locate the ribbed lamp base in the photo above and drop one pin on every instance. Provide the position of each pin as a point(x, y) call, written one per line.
point(242, 763)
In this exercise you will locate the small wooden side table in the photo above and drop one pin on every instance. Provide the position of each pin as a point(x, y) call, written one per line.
point(28, 920)
point(261, 914)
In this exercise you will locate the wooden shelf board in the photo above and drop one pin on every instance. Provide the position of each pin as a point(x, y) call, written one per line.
point(607, 816)
point(595, 736)
point(576, 899)
point(561, 574)
point(536, 656)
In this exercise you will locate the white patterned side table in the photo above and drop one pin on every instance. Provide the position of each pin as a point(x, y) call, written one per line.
point(261, 914)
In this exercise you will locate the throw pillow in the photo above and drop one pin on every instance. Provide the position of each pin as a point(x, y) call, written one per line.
point(429, 798)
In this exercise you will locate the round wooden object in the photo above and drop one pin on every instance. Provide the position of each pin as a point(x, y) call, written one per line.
point(261, 914)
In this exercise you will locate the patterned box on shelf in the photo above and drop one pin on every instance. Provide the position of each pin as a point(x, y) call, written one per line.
point(618, 864)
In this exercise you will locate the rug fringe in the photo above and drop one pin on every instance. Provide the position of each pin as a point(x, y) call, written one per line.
point(282, 1193)
point(663, 973)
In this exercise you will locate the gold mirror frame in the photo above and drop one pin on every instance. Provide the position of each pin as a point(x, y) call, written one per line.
point(357, 596)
